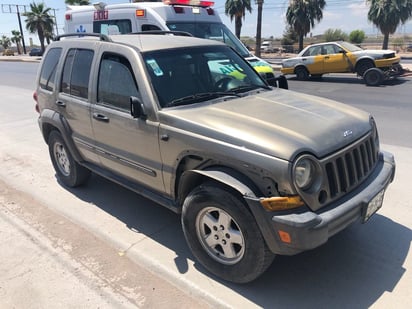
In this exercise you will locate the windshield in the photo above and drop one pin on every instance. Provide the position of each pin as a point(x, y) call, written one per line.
point(350, 47)
point(190, 75)
point(213, 31)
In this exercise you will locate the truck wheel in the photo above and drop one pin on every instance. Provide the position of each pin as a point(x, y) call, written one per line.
point(301, 73)
point(223, 235)
point(67, 169)
point(373, 77)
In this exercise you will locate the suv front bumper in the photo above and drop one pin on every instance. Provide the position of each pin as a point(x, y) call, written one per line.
point(308, 229)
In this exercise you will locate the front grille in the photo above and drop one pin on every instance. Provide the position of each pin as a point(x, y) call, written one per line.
point(347, 170)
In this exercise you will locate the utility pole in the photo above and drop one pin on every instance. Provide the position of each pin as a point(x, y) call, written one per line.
point(258, 27)
point(15, 8)
point(55, 21)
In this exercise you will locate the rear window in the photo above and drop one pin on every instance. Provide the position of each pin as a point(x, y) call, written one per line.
point(76, 72)
point(48, 71)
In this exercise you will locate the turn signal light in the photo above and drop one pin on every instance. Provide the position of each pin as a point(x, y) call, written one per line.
point(281, 202)
point(285, 236)
point(140, 13)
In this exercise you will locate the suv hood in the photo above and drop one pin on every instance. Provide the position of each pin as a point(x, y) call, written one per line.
point(280, 123)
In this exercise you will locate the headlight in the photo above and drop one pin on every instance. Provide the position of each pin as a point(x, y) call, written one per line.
point(306, 173)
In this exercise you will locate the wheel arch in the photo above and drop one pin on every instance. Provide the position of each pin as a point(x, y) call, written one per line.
point(300, 66)
point(50, 120)
point(235, 181)
point(362, 60)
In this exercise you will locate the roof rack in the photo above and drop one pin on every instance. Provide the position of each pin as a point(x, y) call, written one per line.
point(102, 37)
point(179, 33)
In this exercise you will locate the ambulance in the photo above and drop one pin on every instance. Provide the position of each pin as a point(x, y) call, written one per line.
point(196, 17)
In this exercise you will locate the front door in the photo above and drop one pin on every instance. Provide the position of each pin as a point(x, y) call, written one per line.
point(127, 146)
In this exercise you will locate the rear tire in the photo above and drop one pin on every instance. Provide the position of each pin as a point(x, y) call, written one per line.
point(223, 235)
point(68, 171)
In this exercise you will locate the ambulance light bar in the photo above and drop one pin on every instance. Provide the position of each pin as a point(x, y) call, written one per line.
point(201, 3)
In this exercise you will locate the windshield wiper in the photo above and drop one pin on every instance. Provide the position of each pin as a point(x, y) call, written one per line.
point(246, 88)
point(198, 97)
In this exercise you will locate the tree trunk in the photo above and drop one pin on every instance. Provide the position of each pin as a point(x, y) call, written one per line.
point(238, 26)
point(385, 41)
point(300, 42)
point(40, 33)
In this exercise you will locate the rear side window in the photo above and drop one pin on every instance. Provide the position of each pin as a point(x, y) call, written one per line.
point(48, 71)
point(76, 72)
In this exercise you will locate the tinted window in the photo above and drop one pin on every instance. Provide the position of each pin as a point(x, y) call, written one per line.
point(76, 72)
point(116, 82)
point(48, 71)
point(198, 73)
point(213, 31)
point(149, 27)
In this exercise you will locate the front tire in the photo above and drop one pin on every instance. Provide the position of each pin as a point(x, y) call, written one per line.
point(68, 171)
point(301, 73)
point(223, 235)
point(363, 66)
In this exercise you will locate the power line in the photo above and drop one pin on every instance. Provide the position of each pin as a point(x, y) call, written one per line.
point(15, 8)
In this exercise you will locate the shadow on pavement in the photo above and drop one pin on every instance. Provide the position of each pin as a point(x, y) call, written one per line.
point(352, 79)
point(351, 271)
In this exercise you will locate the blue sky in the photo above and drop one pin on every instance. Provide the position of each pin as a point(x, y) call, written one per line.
point(346, 15)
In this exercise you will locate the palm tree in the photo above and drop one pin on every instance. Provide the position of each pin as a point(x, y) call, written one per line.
point(39, 20)
point(387, 15)
point(5, 42)
point(16, 38)
point(77, 2)
point(302, 14)
point(237, 9)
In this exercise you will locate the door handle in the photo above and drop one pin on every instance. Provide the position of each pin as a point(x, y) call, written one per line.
point(60, 103)
point(326, 57)
point(100, 117)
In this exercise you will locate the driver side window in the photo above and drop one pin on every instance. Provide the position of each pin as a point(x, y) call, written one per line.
point(116, 82)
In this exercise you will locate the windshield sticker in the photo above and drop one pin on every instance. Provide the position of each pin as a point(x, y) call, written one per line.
point(155, 67)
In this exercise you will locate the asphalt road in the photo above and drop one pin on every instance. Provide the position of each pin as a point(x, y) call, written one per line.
point(364, 266)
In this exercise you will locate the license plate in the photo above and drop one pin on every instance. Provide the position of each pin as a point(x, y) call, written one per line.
point(373, 205)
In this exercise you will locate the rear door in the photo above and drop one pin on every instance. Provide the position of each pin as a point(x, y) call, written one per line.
point(73, 98)
point(127, 146)
point(313, 60)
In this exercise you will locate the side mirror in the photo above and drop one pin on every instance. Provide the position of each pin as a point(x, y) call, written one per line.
point(279, 81)
point(137, 109)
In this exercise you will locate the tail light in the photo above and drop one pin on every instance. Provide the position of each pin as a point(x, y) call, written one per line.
point(36, 107)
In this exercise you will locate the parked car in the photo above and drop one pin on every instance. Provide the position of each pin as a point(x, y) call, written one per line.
point(8, 52)
point(409, 48)
point(253, 170)
point(340, 57)
point(36, 52)
point(267, 47)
